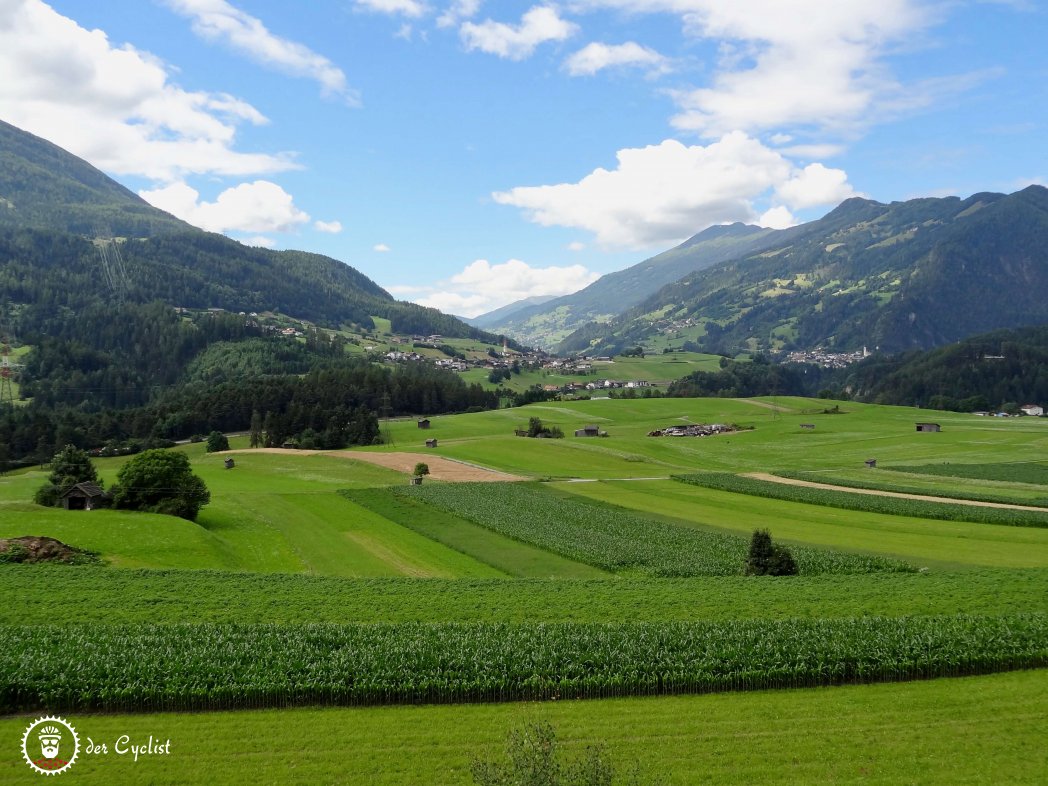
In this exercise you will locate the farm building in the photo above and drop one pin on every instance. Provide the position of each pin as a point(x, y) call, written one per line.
point(431, 443)
point(587, 431)
point(424, 423)
point(83, 496)
point(871, 463)
point(929, 427)
point(809, 426)
point(1033, 410)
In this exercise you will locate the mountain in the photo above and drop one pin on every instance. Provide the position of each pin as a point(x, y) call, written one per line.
point(44, 187)
point(506, 312)
point(906, 275)
point(70, 236)
point(614, 293)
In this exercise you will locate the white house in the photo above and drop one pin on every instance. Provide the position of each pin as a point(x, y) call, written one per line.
point(1032, 410)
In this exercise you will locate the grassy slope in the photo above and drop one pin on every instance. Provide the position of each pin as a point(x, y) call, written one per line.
point(965, 730)
point(922, 540)
point(777, 441)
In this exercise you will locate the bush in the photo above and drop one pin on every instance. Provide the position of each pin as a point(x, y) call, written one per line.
point(421, 469)
point(767, 559)
point(216, 442)
point(534, 760)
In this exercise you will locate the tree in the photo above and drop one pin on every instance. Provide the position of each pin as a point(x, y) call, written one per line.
point(421, 469)
point(69, 466)
point(767, 559)
point(216, 442)
point(160, 481)
point(256, 429)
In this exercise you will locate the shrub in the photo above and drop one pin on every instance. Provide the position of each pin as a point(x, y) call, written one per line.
point(534, 760)
point(767, 559)
point(421, 469)
point(216, 442)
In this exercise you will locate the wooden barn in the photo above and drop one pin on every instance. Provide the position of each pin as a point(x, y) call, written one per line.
point(929, 427)
point(83, 496)
point(424, 423)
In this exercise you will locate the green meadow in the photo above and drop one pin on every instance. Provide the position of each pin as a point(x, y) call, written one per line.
point(290, 539)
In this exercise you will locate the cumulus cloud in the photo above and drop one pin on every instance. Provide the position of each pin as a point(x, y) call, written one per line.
point(409, 8)
point(217, 20)
point(662, 194)
point(815, 185)
point(457, 11)
point(260, 206)
point(787, 63)
point(115, 105)
point(596, 57)
point(538, 25)
point(382, 248)
point(331, 227)
point(481, 286)
point(777, 218)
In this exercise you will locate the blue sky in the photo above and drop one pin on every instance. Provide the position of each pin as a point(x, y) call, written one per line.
point(465, 154)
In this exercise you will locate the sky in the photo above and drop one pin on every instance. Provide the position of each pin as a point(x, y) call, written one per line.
point(466, 154)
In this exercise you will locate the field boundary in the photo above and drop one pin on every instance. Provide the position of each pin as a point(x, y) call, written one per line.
point(766, 476)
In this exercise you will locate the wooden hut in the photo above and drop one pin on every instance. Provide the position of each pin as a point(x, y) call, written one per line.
point(83, 496)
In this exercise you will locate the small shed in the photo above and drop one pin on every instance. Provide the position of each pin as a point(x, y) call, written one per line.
point(871, 463)
point(424, 423)
point(431, 443)
point(929, 427)
point(83, 496)
point(416, 480)
point(809, 426)
point(587, 431)
point(229, 463)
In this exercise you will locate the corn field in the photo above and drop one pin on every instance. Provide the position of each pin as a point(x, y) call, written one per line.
point(207, 666)
point(616, 539)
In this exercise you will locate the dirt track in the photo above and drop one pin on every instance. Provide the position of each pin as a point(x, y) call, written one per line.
point(878, 493)
point(439, 468)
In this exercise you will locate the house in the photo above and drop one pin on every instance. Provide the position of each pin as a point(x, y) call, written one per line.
point(587, 431)
point(929, 427)
point(431, 443)
point(424, 423)
point(1032, 410)
point(83, 496)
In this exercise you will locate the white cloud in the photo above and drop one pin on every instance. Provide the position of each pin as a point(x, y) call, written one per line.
point(115, 106)
point(217, 20)
point(457, 11)
point(331, 227)
point(249, 207)
point(815, 185)
point(576, 245)
point(595, 57)
point(777, 218)
point(788, 64)
point(409, 8)
point(259, 241)
point(481, 286)
point(382, 248)
point(538, 25)
point(662, 194)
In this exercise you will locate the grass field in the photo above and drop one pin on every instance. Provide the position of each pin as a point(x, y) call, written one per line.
point(964, 730)
point(279, 544)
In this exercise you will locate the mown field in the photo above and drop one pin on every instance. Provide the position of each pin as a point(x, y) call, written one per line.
point(319, 579)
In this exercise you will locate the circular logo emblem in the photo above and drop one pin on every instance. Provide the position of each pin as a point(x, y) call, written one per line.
point(50, 745)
